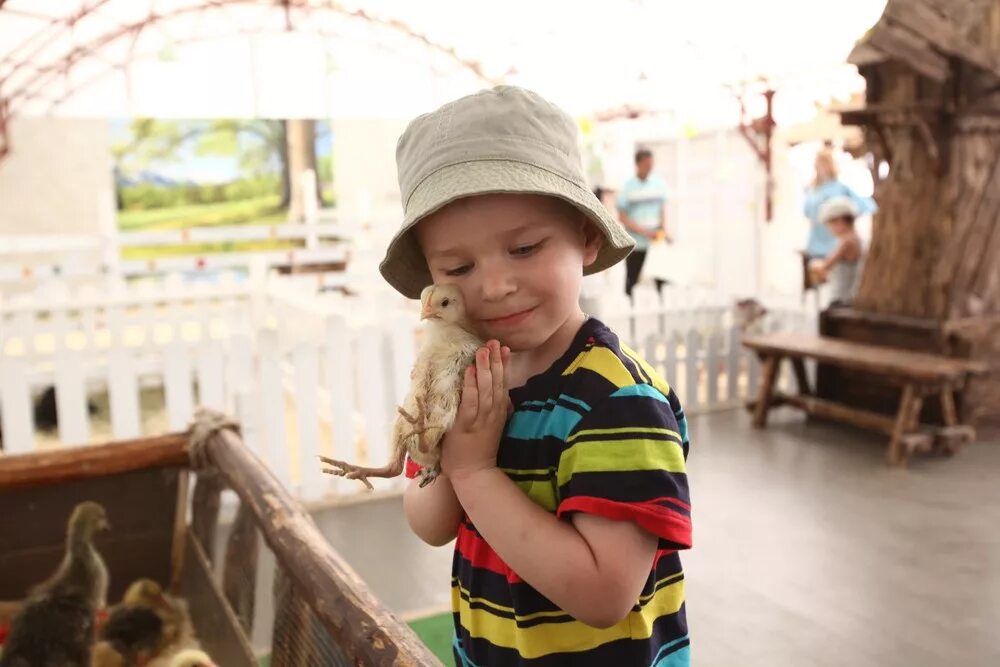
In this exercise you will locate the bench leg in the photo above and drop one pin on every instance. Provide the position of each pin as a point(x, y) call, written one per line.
point(801, 378)
point(907, 416)
point(764, 392)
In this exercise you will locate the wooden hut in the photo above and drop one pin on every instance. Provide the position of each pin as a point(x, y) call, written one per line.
point(932, 278)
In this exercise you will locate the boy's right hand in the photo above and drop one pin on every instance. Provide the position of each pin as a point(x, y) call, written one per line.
point(471, 444)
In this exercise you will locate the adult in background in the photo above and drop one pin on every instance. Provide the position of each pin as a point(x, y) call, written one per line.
point(822, 243)
point(642, 209)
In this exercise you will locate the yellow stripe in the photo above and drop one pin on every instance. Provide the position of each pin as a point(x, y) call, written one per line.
point(604, 362)
point(570, 636)
point(542, 492)
point(655, 377)
point(624, 429)
point(620, 456)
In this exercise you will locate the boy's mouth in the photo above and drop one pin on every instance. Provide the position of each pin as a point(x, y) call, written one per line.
point(509, 320)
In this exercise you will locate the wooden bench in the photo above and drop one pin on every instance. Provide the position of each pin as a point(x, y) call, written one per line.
point(919, 375)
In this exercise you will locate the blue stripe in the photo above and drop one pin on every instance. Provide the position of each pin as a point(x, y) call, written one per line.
point(463, 659)
point(679, 658)
point(557, 422)
point(643, 390)
point(553, 401)
point(682, 426)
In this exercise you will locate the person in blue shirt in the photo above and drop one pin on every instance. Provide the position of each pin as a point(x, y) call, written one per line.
point(822, 243)
point(642, 209)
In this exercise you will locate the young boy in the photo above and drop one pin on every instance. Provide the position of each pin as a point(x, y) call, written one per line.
point(841, 269)
point(568, 497)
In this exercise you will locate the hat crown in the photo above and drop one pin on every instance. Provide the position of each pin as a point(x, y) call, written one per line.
point(502, 123)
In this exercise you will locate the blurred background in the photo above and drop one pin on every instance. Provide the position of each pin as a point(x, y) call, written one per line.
point(195, 195)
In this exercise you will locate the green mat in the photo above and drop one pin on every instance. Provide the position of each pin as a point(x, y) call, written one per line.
point(436, 632)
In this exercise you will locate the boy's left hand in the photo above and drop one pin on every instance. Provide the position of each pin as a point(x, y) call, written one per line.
point(471, 444)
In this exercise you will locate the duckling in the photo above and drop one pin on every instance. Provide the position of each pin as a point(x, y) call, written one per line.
point(82, 569)
point(192, 658)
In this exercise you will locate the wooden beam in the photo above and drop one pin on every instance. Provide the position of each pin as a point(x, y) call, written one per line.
point(368, 633)
point(943, 34)
point(89, 461)
point(909, 49)
point(766, 390)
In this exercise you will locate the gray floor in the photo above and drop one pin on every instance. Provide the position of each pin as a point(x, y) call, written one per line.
point(808, 550)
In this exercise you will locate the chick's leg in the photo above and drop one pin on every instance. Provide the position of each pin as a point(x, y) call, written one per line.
point(395, 466)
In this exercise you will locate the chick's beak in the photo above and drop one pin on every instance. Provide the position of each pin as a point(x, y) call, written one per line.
point(428, 313)
point(104, 525)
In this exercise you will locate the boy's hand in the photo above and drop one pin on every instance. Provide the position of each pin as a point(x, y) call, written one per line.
point(471, 444)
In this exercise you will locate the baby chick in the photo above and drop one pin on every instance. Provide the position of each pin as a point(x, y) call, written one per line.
point(429, 408)
point(51, 630)
point(192, 658)
point(82, 570)
point(131, 635)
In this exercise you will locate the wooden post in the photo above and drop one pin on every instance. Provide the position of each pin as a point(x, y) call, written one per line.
point(896, 455)
point(771, 363)
point(205, 511)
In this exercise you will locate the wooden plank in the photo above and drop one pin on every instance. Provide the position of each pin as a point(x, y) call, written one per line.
point(692, 350)
point(367, 632)
point(766, 388)
point(801, 377)
point(733, 364)
point(826, 409)
point(211, 375)
point(888, 361)
point(71, 399)
point(910, 49)
point(218, 627)
point(305, 357)
point(943, 34)
point(896, 454)
point(18, 428)
point(123, 393)
point(57, 466)
point(298, 638)
point(272, 407)
point(177, 389)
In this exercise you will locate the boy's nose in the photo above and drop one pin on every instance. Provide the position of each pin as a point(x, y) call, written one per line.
point(498, 284)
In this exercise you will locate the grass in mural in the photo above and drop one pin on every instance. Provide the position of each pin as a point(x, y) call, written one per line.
point(197, 249)
point(262, 210)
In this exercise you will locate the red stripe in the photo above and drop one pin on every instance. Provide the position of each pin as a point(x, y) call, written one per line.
point(480, 555)
point(658, 520)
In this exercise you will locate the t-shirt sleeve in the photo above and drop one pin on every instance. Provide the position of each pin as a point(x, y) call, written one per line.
point(626, 460)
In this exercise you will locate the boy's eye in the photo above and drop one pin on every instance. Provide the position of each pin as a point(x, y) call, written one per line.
point(459, 271)
point(525, 249)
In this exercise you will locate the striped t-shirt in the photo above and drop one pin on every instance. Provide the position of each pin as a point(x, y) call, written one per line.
point(599, 432)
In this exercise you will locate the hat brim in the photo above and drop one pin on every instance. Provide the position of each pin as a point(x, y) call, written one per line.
point(404, 266)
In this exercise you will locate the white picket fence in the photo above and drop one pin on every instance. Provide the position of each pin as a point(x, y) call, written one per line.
point(305, 373)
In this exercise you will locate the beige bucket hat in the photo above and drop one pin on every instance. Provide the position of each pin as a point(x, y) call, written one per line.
point(837, 207)
point(506, 139)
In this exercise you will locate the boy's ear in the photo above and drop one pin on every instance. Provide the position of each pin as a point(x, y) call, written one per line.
point(593, 241)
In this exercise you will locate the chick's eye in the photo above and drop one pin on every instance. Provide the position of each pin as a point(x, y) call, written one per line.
point(444, 304)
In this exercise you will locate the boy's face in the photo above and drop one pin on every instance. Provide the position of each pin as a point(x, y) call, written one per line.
point(518, 260)
point(840, 226)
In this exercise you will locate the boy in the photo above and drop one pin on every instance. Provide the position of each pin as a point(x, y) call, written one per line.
point(841, 269)
point(568, 497)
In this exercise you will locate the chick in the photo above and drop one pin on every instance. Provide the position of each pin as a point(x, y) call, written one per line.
point(51, 630)
point(131, 635)
point(192, 658)
point(82, 570)
point(429, 408)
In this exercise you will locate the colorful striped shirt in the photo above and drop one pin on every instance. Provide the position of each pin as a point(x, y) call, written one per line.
point(599, 432)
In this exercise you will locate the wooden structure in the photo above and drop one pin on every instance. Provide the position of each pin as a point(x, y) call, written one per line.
point(918, 376)
point(932, 115)
point(324, 614)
